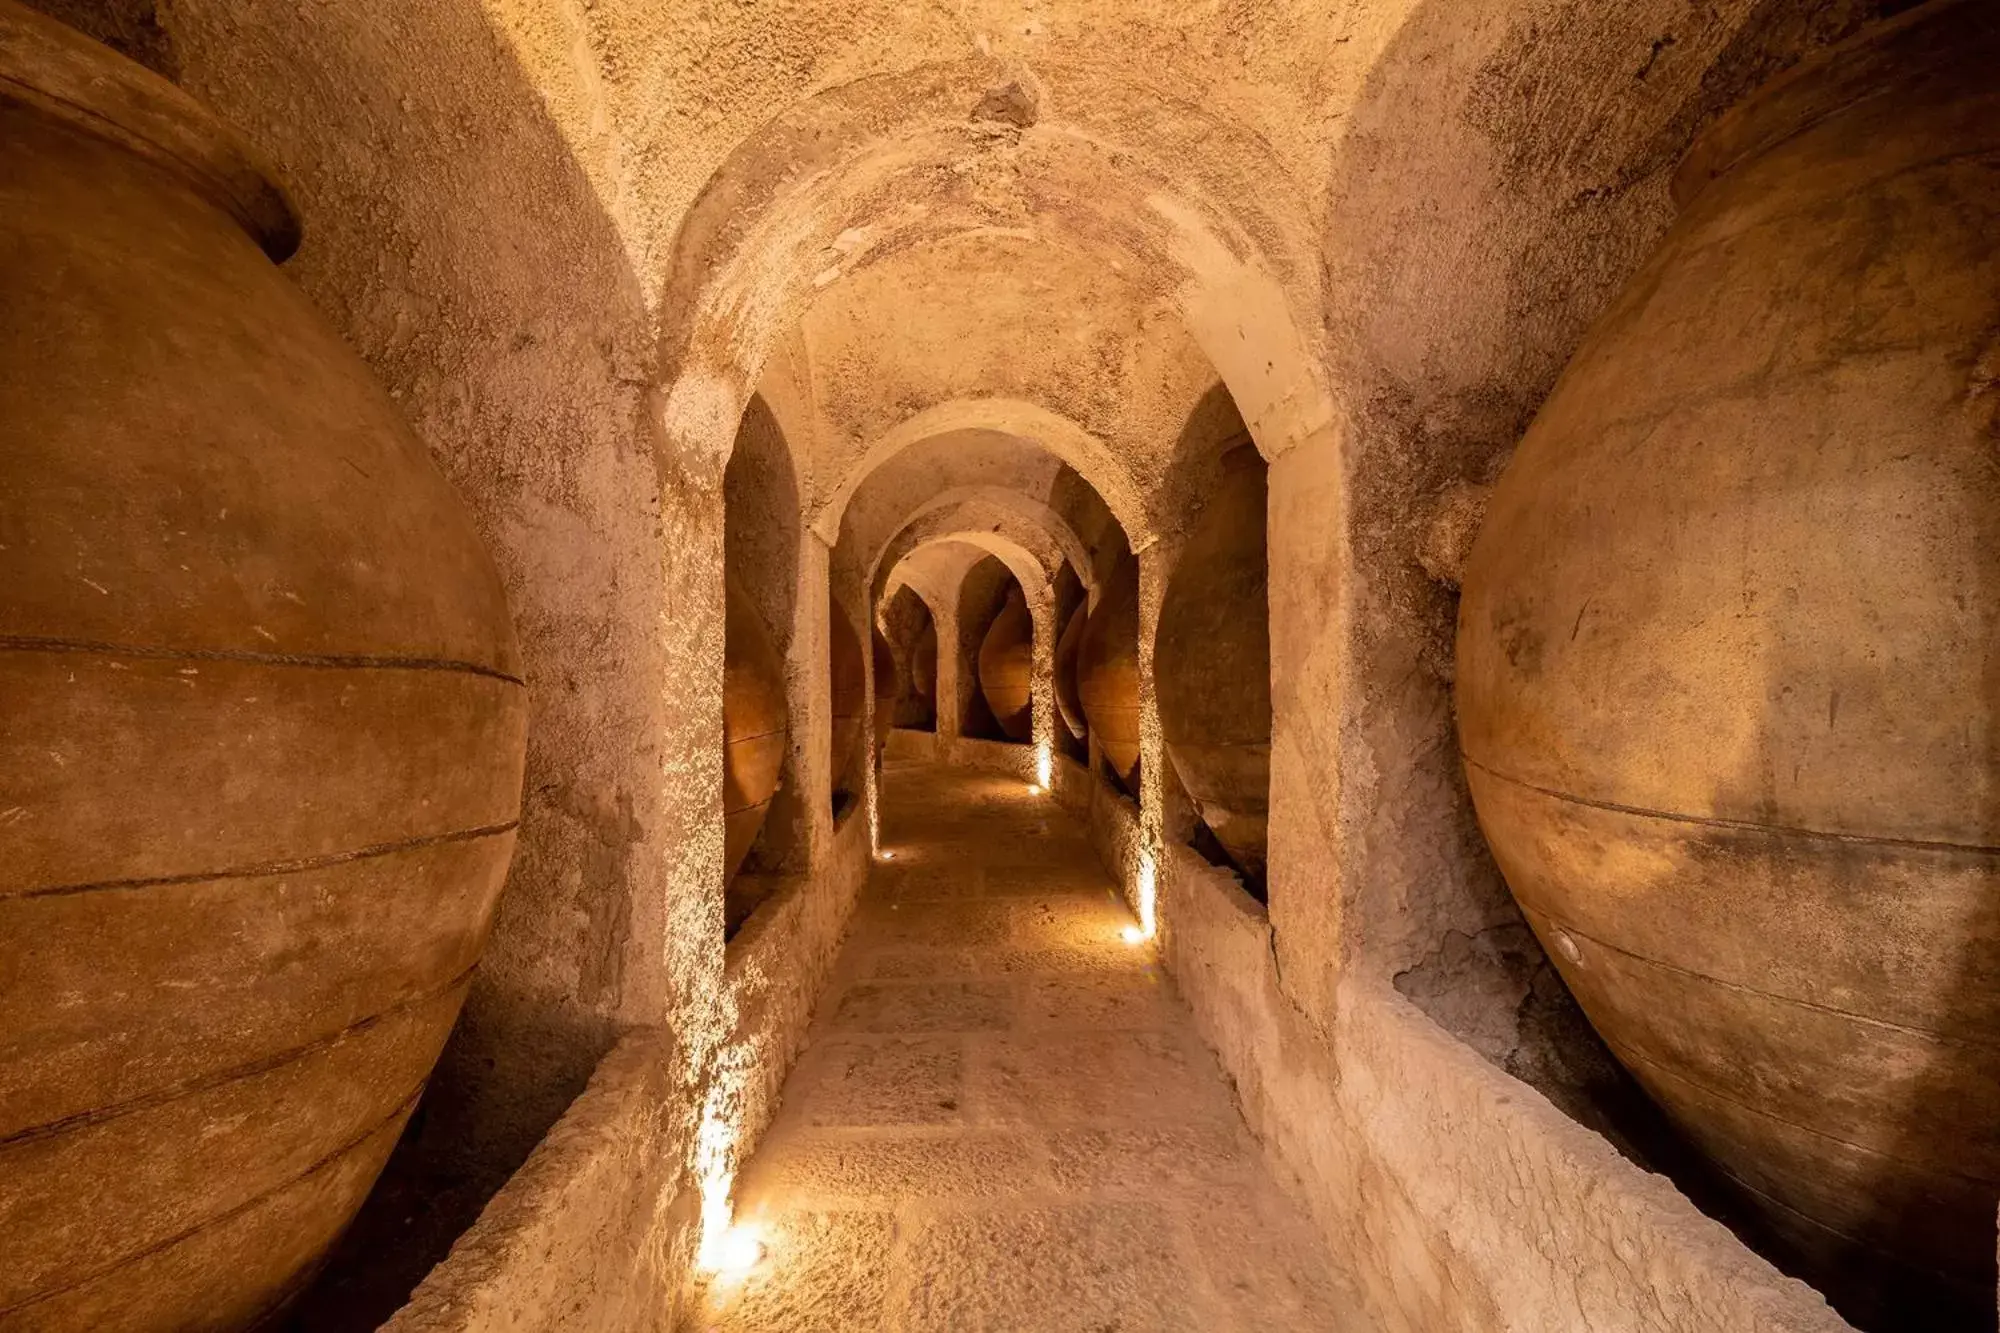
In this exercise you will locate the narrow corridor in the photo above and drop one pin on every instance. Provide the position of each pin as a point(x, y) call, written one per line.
point(1004, 1118)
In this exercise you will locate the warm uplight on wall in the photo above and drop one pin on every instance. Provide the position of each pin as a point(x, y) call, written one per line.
point(1148, 896)
point(733, 1251)
point(873, 792)
point(714, 1146)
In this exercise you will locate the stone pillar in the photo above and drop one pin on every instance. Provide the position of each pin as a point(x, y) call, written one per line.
point(1154, 566)
point(1175, 820)
point(798, 810)
point(1310, 867)
point(950, 689)
point(1042, 679)
point(808, 692)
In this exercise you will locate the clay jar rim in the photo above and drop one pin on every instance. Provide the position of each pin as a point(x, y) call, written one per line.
point(59, 72)
point(1909, 47)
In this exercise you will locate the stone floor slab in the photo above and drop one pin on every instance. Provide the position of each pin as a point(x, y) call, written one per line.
point(1004, 1119)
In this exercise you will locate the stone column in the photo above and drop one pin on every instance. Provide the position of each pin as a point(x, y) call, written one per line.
point(1042, 679)
point(950, 692)
point(1154, 566)
point(1309, 864)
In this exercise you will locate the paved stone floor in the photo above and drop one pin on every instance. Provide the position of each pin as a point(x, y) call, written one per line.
point(1003, 1119)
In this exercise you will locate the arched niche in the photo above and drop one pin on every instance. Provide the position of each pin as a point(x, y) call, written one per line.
point(1072, 609)
point(983, 595)
point(911, 633)
point(1212, 668)
point(847, 707)
point(1451, 311)
point(761, 533)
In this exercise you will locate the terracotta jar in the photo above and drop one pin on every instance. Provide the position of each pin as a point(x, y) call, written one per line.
point(1068, 702)
point(1107, 671)
point(923, 669)
point(753, 727)
point(848, 685)
point(1726, 665)
point(1006, 662)
point(1212, 663)
point(261, 723)
point(886, 691)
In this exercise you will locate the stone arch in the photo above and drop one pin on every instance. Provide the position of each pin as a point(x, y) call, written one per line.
point(918, 582)
point(936, 564)
point(1033, 545)
point(1025, 564)
point(876, 166)
point(965, 503)
point(1029, 422)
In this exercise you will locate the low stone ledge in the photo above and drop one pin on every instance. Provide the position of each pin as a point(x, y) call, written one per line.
point(908, 743)
point(1014, 758)
point(595, 1231)
point(1467, 1200)
point(778, 968)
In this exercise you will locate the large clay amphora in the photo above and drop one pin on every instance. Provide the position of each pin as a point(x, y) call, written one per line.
point(1727, 665)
